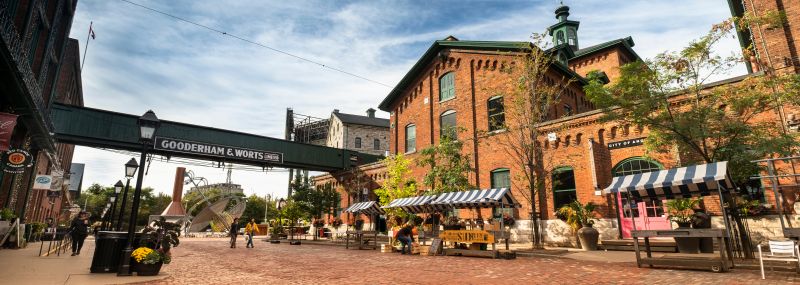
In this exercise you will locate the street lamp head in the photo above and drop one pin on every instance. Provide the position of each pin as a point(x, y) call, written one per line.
point(112, 198)
point(148, 123)
point(130, 168)
point(108, 205)
point(281, 204)
point(118, 187)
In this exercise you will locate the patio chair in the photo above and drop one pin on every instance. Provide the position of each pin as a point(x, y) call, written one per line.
point(779, 251)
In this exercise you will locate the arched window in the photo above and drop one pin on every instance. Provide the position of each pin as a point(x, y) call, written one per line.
point(447, 86)
point(572, 37)
point(567, 110)
point(613, 133)
point(601, 136)
point(376, 144)
point(447, 124)
point(578, 138)
point(563, 180)
point(411, 138)
point(635, 165)
point(496, 111)
point(358, 142)
point(559, 37)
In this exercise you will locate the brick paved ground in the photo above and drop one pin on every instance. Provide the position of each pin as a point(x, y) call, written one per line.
point(210, 261)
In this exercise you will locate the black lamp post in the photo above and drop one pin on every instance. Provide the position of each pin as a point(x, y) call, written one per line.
point(130, 171)
point(281, 203)
point(113, 198)
point(148, 124)
point(106, 216)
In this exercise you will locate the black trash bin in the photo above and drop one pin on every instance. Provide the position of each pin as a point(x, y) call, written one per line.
point(107, 250)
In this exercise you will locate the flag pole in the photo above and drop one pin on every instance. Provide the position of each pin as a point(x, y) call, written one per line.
point(86, 48)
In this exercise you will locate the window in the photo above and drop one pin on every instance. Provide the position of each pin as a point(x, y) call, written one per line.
point(447, 123)
point(559, 37)
point(572, 37)
point(567, 110)
point(358, 142)
point(447, 86)
point(501, 178)
point(376, 144)
point(563, 187)
point(497, 114)
point(411, 138)
point(637, 165)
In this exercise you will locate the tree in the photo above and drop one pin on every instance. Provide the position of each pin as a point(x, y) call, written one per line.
point(398, 184)
point(535, 91)
point(97, 196)
point(669, 96)
point(449, 166)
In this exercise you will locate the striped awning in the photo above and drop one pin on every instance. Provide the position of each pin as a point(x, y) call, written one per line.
point(487, 198)
point(412, 205)
point(367, 208)
point(684, 182)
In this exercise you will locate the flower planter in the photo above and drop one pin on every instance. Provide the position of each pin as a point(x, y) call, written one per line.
point(588, 237)
point(687, 244)
point(148, 269)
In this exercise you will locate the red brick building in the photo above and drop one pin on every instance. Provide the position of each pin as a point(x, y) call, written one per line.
point(459, 83)
point(39, 65)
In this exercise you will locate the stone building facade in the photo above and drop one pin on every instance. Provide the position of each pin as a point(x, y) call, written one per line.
point(366, 134)
point(40, 67)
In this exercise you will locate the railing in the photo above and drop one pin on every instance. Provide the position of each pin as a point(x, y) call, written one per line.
point(15, 47)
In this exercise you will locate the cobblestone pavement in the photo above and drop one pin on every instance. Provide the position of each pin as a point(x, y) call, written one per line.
point(211, 261)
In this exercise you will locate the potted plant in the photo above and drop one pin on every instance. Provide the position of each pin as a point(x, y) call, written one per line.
point(162, 236)
point(579, 217)
point(452, 223)
point(336, 222)
point(681, 211)
point(149, 261)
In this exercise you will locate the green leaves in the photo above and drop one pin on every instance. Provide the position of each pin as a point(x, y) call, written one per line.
point(671, 96)
point(449, 166)
point(398, 184)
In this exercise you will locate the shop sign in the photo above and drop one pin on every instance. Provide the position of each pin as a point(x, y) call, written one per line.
point(16, 160)
point(7, 124)
point(42, 182)
point(626, 143)
point(206, 149)
point(58, 180)
point(467, 236)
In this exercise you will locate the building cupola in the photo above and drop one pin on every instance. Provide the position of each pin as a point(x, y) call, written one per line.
point(565, 32)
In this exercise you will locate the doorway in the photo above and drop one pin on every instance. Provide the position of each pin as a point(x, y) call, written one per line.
point(648, 215)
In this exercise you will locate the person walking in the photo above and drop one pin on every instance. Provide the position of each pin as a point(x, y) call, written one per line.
point(79, 229)
point(405, 236)
point(234, 231)
point(251, 229)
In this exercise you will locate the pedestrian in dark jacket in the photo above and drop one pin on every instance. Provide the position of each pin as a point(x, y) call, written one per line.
point(79, 229)
point(234, 231)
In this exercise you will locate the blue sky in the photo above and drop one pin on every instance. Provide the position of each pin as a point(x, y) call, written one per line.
point(142, 60)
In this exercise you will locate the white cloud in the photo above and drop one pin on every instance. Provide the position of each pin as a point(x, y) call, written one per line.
point(143, 60)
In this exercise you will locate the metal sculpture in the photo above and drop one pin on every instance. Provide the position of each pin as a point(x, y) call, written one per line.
point(215, 211)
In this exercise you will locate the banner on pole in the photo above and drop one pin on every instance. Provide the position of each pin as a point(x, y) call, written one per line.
point(7, 124)
point(42, 182)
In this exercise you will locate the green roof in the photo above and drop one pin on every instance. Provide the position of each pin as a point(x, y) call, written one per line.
point(437, 46)
point(626, 44)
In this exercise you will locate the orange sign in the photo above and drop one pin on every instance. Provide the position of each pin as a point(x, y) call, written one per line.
point(467, 236)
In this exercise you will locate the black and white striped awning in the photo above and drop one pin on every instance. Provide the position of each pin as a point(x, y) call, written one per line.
point(367, 208)
point(487, 198)
point(684, 182)
point(412, 205)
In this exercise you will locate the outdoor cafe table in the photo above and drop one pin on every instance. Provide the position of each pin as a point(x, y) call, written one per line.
point(358, 236)
point(721, 264)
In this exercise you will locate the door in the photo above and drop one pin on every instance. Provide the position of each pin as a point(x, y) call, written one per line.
point(648, 215)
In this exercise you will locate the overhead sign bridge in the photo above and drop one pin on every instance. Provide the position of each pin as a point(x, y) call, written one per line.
point(107, 129)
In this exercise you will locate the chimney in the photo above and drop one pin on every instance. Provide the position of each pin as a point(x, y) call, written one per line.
point(175, 208)
point(371, 113)
point(336, 111)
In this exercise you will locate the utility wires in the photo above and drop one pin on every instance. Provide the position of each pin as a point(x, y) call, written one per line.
point(255, 43)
